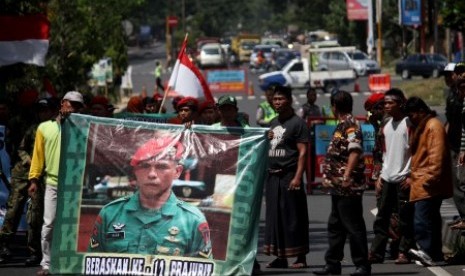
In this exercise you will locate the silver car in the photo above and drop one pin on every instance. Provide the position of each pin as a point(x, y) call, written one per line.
point(355, 60)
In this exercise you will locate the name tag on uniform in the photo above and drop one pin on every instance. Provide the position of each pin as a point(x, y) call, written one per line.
point(115, 235)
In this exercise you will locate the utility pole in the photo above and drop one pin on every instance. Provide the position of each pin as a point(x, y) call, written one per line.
point(379, 50)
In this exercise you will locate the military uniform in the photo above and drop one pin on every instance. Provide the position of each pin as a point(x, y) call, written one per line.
point(177, 229)
point(18, 197)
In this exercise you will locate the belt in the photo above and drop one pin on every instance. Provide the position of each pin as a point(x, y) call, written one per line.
point(275, 171)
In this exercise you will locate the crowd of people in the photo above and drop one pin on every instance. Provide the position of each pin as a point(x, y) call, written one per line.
point(418, 162)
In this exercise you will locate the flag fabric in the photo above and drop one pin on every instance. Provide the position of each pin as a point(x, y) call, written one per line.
point(186, 79)
point(24, 39)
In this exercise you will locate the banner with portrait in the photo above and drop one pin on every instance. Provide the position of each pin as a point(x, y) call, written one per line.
point(221, 175)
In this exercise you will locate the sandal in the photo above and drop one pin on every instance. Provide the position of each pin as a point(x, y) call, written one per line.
point(299, 265)
point(277, 263)
point(402, 259)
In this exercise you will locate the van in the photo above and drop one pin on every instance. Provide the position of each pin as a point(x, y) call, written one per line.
point(341, 60)
point(212, 55)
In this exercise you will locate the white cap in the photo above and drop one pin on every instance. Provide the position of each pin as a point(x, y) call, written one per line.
point(449, 67)
point(74, 96)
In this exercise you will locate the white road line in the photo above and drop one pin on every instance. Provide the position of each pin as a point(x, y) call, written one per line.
point(374, 211)
point(436, 270)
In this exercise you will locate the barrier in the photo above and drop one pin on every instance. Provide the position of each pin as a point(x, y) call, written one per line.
point(320, 136)
point(379, 82)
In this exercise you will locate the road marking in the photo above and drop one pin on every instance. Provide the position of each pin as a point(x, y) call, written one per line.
point(374, 211)
point(439, 271)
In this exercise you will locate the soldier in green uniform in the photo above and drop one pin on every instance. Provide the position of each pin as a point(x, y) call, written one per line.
point(45, 109)
point(153, 220)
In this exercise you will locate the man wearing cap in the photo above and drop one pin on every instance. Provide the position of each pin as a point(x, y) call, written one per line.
point(207, 113)
point(44, 110)
point(152, 220)
point(186, 108)
point(459, 178)
point(45, 163)
point(229, 113)
point(449, 78)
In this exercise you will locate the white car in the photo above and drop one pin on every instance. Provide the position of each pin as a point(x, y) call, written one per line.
point(341, 60)
point(212, 55)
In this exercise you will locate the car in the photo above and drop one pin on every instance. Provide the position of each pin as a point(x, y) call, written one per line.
point(282, 56)
point(341, 60)
point(425, 65)
point(267, 51)
point(212, 55)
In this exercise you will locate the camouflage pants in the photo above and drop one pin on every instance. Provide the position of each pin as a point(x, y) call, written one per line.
point(15, 205)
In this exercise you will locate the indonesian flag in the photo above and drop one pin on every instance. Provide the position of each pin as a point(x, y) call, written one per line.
point(24, 39)
point(186, 80)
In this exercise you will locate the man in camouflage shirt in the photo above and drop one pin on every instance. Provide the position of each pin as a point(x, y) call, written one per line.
point(344, 177)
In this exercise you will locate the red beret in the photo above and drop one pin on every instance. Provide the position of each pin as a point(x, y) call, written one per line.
point(373, 100)
point(206, 105)
point(188, 101)
point(28, 98)
point(100, 100)
point(158, 97)
point(161, 148)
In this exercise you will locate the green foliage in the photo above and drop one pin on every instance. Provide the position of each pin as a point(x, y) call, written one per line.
point(453, 13)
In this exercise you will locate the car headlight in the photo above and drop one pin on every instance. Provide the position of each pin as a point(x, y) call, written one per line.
point(357, 65)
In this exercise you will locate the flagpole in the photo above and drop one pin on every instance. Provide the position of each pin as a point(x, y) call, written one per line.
point(165, 94)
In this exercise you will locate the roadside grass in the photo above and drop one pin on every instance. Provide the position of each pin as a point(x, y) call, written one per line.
point(431, 90)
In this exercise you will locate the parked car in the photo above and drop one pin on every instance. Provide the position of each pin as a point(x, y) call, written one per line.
point(282, 56)
point(425, 65)
point(341, 60)
point(267, 51)
point(212, 55)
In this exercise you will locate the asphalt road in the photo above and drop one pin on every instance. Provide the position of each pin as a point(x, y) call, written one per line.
point(318, 208)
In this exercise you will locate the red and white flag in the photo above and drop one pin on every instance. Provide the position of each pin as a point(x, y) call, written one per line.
point(24, 39)
point(186, 79)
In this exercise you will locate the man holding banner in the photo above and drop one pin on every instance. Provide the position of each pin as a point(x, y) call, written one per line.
point(153, 220)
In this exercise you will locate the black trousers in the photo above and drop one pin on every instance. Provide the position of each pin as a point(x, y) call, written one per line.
point(346, 219)
point(393, 199)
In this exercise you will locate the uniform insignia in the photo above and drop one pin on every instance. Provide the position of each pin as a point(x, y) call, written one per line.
point(206, 254)
point(119, 226)
point(163, 249)
point(205, 230)
point(94, 243)
point(173, 231)
point(186, 191)
point(115, 235)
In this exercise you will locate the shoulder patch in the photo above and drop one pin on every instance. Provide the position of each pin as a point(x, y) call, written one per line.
point(118, 201)
point(190, 208)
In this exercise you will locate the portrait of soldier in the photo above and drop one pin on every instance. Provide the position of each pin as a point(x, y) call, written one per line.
point(153, 220)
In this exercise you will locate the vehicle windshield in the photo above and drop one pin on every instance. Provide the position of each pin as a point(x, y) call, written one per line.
point(264, 49)
point(212, 51)
point(248, 45)
point(357, 56)
point(439, 58)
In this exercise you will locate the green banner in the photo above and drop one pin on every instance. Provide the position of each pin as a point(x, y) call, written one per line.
point(220, 180)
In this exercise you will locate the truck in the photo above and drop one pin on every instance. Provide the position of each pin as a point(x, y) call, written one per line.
point(300, 73)
point(242, 45)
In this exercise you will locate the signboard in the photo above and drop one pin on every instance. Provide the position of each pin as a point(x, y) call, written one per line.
point(323, 135)
point(227, 80)
point(357, 9)
point(219, 178)
point(172, 21)
point(410, 12)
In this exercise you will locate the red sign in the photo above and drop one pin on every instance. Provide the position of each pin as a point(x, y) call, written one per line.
point(172, 21)
point(357, 9)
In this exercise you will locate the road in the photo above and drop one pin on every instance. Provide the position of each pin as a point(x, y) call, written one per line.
point(318, 208)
